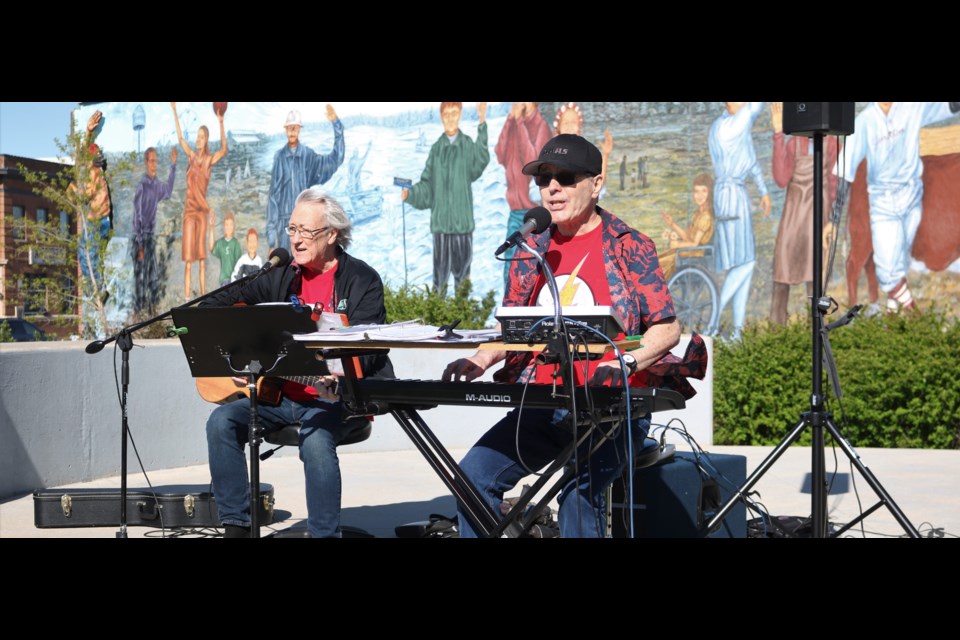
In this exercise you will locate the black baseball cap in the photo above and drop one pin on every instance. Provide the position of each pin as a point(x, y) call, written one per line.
point(568, 151)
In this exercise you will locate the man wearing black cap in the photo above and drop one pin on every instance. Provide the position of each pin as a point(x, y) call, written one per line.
point(597, 260)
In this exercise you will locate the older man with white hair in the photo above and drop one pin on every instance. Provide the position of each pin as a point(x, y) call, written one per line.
point(323, 273)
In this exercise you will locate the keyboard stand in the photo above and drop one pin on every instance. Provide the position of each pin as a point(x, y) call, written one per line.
point(481, 515)
point(484, 519)
point(486, 522)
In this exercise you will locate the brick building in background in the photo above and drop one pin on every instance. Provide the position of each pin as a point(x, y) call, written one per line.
point(37, 282)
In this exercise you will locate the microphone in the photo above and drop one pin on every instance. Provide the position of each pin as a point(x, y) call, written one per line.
point(279, 257)
point(535, 221)
point(96, 346)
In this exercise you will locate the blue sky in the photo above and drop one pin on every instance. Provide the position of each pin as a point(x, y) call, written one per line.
point(28, 129)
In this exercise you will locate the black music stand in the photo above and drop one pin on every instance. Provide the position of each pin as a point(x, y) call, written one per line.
point(250, 342)
point(124, 340)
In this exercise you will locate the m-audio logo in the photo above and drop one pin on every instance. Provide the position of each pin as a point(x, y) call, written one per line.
point(471, 397)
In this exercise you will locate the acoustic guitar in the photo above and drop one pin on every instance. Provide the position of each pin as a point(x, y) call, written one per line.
point(269, 390)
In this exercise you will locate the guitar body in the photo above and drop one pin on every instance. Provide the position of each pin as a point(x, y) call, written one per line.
point(224, 390)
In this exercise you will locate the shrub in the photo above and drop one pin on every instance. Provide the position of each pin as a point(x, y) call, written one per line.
point(409, 303)
point(898, 377)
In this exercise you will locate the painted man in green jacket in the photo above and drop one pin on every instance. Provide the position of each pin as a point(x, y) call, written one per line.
point(455, 161)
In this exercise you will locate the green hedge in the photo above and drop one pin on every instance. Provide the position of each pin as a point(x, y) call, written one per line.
point(899, 375)
point(424, 303)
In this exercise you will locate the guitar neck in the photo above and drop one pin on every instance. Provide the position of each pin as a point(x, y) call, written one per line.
point(307, 381)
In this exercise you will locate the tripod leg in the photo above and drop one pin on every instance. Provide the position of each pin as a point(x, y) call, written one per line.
point(756, 475)
point(872, 480)
point(818, 480)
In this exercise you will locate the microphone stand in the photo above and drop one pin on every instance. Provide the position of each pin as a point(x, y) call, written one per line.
point(557, 352)
point(551, 282)
point(818, 418)
point(124, 340)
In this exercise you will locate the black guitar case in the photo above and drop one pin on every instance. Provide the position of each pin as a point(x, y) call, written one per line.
point(164, 507)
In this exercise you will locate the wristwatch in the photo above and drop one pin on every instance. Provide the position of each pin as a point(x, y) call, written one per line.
point(631, 363)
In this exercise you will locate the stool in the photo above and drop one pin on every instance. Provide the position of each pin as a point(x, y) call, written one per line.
point(648, 454)
point(289, 435)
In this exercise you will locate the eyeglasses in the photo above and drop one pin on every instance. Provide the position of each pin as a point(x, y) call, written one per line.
point(309, 234)
point(563, 178)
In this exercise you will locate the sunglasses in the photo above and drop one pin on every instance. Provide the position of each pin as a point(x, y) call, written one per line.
point(563, 178)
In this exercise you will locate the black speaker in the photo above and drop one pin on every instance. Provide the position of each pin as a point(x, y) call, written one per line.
point(808, 118)
point(676, 498)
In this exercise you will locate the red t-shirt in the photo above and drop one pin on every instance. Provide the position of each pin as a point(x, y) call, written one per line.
point(314, 287)
point(577, 264)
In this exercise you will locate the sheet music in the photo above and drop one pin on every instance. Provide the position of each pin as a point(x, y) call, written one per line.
point(410, 331)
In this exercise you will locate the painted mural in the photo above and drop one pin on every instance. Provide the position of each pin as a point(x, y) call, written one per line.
point(433, 189)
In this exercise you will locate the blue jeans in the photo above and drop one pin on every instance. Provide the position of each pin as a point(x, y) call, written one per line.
point(321, 430)
point(502, 457)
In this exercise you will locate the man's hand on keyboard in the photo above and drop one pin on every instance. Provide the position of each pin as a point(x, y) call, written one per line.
point(464, 369)
point(607, 374)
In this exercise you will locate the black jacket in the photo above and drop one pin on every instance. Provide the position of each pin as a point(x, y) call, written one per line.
point(357, 292)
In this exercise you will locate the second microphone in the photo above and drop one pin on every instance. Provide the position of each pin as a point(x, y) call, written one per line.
point(535, 221)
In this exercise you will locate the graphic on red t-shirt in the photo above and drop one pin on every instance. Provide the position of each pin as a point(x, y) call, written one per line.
point(577, 264)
